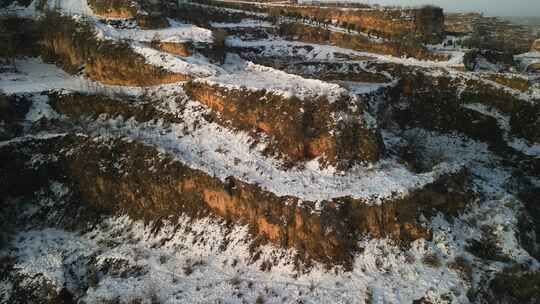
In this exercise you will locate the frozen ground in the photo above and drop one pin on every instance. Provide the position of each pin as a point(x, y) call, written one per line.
point(206, 261)
point(195, 66)
point(246, 23)
point(176, 33)
point(202, 261)
point(279, 47)
point(32, 75)
point(520, 144)
point(222, 152)
point(244, 74)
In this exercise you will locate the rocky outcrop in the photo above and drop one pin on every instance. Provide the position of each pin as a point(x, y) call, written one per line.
point(426, 23)
point(73, 45)
point(299, 130)
point(312, 34)
point(152, 21)
point(441, 102)
point(120, 177)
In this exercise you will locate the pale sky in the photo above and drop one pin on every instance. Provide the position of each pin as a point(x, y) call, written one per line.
point(529, 8)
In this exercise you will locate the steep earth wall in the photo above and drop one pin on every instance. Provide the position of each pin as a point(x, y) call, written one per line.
point(453, 94)
point(312, 34)
point(300, 130)
point(73, 46)
point(425, 23)
point(120, 177)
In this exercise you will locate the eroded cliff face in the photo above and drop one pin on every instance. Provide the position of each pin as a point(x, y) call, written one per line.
point(119, 176)
point(425, 23)
point(193, 182)
point(121, 66)
point(459, 104)
point(74, 47)
point(176, 48)
point(489, 33)
point(114, 8)
point(299, 130)
point(311, 34)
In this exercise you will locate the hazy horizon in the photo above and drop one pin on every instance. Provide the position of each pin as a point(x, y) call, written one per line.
point(522, 8)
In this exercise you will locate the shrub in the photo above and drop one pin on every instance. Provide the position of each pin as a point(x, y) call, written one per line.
point(514, 285)
point(462, 265)
point(432, 260)
point(486, 248)
point(18, 37)
point(259, 300)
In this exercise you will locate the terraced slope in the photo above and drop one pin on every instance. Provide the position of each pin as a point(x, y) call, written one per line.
point(222, 162)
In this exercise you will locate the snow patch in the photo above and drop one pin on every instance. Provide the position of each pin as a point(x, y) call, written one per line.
point(245, 74)
point(176, 33)
point(40, 108)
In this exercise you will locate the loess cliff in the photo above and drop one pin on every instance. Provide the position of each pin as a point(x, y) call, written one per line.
point(265, 152)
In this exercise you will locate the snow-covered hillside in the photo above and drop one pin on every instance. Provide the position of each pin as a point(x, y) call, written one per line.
point(146, 194)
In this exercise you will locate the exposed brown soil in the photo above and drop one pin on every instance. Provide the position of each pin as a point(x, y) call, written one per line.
point(77, 106)
point(114, 8)
point(514, 82)
point(426, 23)
point(534, 68)
point(73, 46)
point(436, 102)
point(149, 22)
point(129, 70)
point(299, 130)
point(312, 34)
point(177, 48)
point(118, 176)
